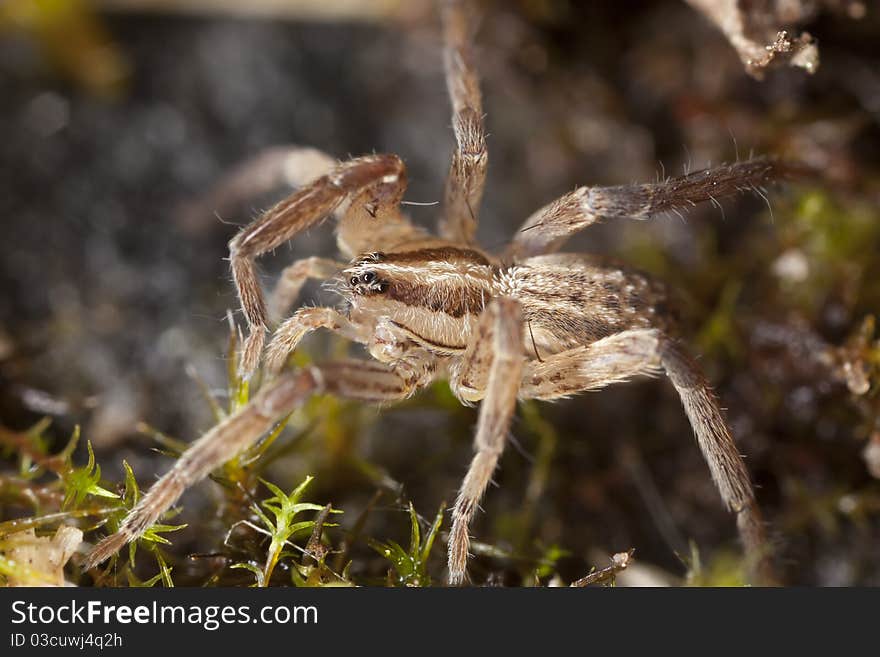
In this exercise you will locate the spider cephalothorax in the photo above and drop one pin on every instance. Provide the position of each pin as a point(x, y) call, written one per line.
point(528, 323)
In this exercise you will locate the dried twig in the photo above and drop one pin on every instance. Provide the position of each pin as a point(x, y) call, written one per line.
point(619, 562)
point(755, 30)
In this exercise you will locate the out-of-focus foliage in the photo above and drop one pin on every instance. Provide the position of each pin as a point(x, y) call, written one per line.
point(73, 40)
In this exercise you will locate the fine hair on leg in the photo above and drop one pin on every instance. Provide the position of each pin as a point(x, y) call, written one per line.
point(379, 177)
point(496, 413)
point(548, 228)
point(467, 171)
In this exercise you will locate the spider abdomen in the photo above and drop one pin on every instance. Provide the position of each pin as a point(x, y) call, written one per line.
point(571, 300)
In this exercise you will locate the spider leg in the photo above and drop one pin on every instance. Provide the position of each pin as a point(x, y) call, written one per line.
point(288, 335)
point(467, 171)
point(274, 168)
point(725, 462)
point(614, 359)
point(354, 379)
point(292, 279)
point(548, 228)
point(375, 184)
point(372, 381)
point(645, 351)
point(469, 377)
point(225, 440)
point(496, 411)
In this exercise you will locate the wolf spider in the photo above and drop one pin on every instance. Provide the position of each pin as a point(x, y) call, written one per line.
point(528, 324)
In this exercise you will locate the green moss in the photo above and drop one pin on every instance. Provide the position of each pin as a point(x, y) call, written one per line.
point(409, 566)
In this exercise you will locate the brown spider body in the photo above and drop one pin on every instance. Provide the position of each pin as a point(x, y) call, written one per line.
point(529, 323)
point(434, 296)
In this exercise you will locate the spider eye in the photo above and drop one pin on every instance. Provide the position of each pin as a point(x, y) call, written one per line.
point(353, 280)
point(368, 277)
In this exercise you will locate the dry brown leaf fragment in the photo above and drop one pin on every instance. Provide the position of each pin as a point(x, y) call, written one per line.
point(856, 361)
point(755, 30)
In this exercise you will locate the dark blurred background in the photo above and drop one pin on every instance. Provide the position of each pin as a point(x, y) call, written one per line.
point(114, 116)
